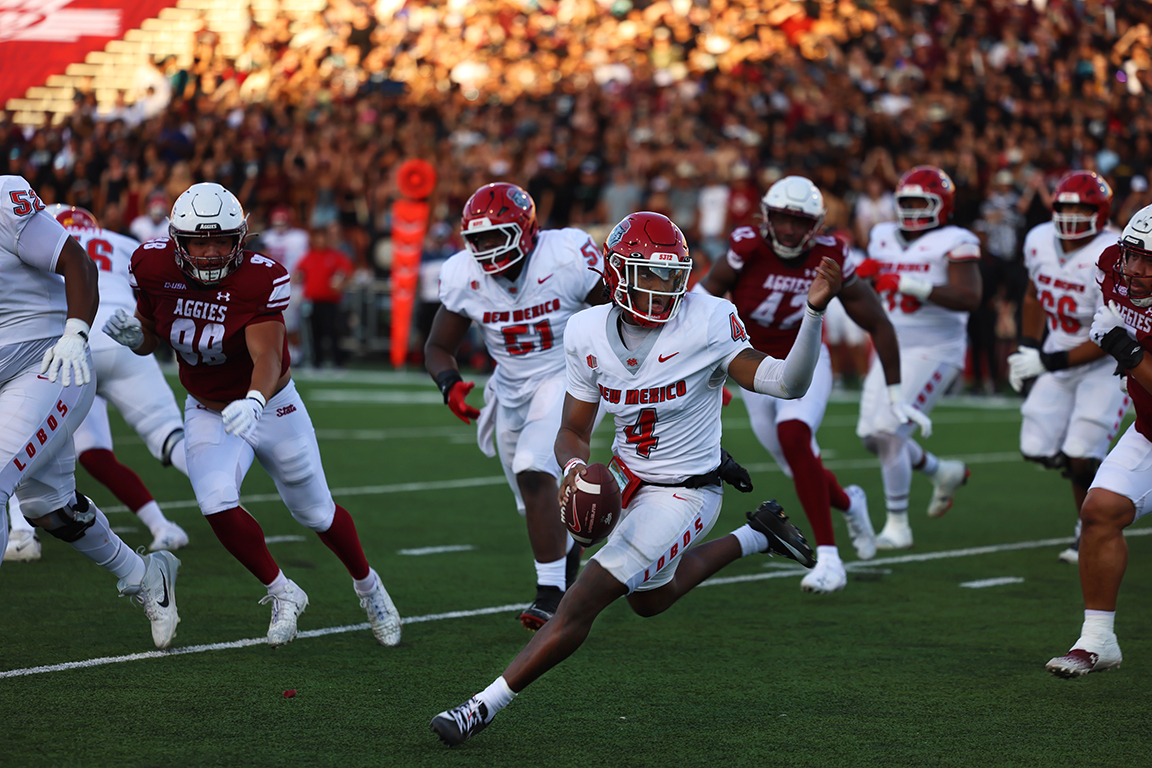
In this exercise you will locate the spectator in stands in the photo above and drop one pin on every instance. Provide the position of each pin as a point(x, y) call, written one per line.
point(323, 274)
point(154, 222)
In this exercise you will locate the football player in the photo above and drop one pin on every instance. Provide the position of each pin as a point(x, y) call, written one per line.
point(1119, 494)
point(656, 359)
point(46, 389)
point(520, 285)
point(927, 274)
point(768, 273)
point(219, 307)
point(134, 385)
point(1074, 407)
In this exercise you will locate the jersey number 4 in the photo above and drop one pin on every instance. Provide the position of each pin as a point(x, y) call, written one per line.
point(196, 346)
point(642, 434)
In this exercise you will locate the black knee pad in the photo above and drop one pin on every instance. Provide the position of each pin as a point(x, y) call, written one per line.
point(169, 444)
point(69, 523)
point(1059, 461)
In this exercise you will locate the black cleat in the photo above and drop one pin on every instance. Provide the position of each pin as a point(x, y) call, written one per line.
point(457, 725)
point(543, 609)
point(783, 537)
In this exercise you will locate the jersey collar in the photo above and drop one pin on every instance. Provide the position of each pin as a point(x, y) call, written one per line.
point(631, 359)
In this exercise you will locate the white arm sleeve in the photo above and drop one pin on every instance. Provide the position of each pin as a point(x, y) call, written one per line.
point(41, 241)
point(789, 378)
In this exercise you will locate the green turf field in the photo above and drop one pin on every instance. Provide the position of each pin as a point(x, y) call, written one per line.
point(911, 665)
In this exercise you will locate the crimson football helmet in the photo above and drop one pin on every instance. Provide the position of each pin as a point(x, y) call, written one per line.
point(208, 210)
point(925, 182)
point(646, 267)
point(73, 216)
point(1082, 188)
point(794, 196)
point(499, 226)
point(1136, 253)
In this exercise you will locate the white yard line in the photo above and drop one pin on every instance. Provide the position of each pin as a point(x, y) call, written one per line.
point(773, 574)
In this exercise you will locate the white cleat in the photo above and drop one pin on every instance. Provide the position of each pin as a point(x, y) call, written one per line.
point(170, 537)
point(23, 546)
point(860, 528)
point(828, 576)
point(157, 594)
point(382, 614)
point(896, 535)
point(1072, 554)
point(1086, 657)
point(949, 476)
point(286, 609)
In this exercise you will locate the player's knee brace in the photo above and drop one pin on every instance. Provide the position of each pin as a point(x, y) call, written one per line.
point(69, 522)
point(170, 444)
point(1059, 461)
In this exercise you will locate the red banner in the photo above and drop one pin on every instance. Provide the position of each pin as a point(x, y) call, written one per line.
point(39, 38)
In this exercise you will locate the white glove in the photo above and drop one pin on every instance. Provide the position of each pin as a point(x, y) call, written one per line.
point(920, 287)
point(1024, 364)
point(1106, 318)
point(125, 329)
point(906, 412)
point(240, 416)
point(69, 355)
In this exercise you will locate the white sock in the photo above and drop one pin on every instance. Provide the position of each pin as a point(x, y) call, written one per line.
point(106, 549)
point(898, 518)
point(496, 696)
point(278, 585)
point(16, 516)
point(827, 553)
point(367, 584)
point(152, 517)
point(553, 574)
point(751, 540)
point(1098, 624)
point(179, 458)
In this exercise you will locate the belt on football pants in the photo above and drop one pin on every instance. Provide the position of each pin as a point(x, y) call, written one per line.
point(696, 481)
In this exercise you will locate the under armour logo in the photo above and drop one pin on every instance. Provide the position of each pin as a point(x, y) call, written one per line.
point(223, 296)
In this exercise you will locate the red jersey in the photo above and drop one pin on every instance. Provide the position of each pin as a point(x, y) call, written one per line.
point(205, 324)
point(1138, 319)
point(771, 293)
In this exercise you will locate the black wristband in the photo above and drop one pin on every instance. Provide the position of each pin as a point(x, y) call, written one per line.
point(82, 335)
point(1054, 361)
point(1028, 341)
point(817, 311)
point(446, 380)
point(1123, 347)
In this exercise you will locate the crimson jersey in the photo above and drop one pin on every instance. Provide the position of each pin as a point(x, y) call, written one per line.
point(205, 324)
point(1136, 318)
point(770, 293)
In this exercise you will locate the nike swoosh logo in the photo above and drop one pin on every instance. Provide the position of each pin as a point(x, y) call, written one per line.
point(541, 280)
point(669, 357)
point(679, 497)
point(163, 603)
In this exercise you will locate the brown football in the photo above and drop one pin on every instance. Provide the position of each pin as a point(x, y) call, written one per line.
point(593, 509)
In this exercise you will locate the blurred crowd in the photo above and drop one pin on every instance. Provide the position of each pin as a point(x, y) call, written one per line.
point(601, 107)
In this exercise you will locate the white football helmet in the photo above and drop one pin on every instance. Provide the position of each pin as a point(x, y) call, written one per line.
point(1136, 251)
point(795, 196)
point(208, 210)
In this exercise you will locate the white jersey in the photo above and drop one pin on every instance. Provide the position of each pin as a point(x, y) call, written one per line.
point(144, 229)
point(922, 323)
point(112, 253)
point(666, 394)
point(1067, 284)
point(32, 300)
point(287, 246)
point(523, 322)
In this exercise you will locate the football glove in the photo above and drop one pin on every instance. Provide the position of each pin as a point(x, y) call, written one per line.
point(125, 329)
point(241, 416)
point(869, 268)
point(906, 412)
point(68, 357)
point(1113, 336)
point(455, 390)
point(1028, 362)
point(734, 474)
point(906, 284)
point(726, 396)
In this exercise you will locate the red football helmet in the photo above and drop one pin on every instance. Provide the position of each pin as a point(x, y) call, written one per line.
point(925, 182)
point(1081, 188)
point(73, 216)
point(646, 254)
point(499, 226)
point(1133, 270)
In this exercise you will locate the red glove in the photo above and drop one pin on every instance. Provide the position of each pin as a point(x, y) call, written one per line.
point(869, 268)
point(727, 396)
point(456, 402)
point(889, 282)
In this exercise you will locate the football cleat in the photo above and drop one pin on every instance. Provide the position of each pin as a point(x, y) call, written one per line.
point(949, 476)
point(382, 614)
point(457, 725)
point(543, 608)
point(860, 528)
point(1072, 554)
point(783, 537)
point(896, 535)
point(286, 608)
point(827, 576)
point(1087, 657)
point(23, 546)
point(157, 595)
point(170, 536)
